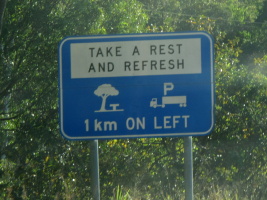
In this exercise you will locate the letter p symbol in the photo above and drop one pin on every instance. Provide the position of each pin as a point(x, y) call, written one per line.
point(168, 87)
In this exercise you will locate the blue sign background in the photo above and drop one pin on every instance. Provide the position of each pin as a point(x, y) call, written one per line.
point(78, 103)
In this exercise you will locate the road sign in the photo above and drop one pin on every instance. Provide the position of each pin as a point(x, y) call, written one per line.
point(141, 85)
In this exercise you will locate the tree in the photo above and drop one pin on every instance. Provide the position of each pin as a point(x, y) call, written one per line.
point(31, 148)
point(2, 11)
point(104, 91)
point(37, 163)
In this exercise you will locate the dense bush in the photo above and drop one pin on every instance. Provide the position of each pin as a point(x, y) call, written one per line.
point(38, 163)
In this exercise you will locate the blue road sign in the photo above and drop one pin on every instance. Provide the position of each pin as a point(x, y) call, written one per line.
point(141, 85)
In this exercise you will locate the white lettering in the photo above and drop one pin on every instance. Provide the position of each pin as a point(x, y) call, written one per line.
point(166, 122)
point(137, 123)
point(185, 120)
point(156, 124)
point(170, 122)
point(168, 87)
point(107, 125)
point(86, 125)
point(98, 126)
point(130, 123)
point(110, 125)
point(175, 121)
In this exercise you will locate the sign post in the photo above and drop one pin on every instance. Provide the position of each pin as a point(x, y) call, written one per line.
point(94, 159)
point(188, 168)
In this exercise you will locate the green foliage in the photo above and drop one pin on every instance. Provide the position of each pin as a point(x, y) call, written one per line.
point(118, 194)
point(41, 159)
point(37, 163)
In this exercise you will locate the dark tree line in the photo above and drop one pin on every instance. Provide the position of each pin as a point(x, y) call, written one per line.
point(38, 163)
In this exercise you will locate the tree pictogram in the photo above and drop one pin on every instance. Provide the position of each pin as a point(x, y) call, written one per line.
point(104, 91)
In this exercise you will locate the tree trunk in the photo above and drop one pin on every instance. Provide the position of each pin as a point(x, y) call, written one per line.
point(2, 10)
point(103, 105)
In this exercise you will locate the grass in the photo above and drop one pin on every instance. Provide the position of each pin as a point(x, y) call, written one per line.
point(214, 193)
point(119, 194)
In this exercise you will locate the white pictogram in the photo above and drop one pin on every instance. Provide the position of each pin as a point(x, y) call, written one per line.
point(104, 91)
point(180, 100)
